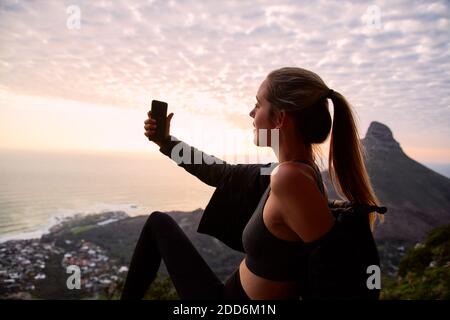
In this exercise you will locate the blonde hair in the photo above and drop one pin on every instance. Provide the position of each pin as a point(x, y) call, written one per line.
point(304, 94)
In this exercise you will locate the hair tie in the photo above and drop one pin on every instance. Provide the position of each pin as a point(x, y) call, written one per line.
point(330, 93)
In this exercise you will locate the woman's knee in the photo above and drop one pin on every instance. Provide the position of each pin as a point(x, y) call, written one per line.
point(158, 218)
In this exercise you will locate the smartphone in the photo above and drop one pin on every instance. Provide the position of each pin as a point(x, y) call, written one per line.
point(159, 113)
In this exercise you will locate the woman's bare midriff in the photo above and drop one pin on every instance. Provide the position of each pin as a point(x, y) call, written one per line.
point(258, 288)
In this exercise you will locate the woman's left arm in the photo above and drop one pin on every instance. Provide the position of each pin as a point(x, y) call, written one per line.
point(303, 208)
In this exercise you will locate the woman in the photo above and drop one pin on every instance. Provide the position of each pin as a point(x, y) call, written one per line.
point(284, 216)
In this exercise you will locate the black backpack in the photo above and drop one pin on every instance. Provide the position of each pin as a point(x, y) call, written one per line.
point(339, 265)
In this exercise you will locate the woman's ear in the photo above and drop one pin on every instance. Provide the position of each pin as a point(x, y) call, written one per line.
point(280, 119)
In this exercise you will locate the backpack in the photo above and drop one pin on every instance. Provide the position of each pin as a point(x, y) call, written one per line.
point(341, 264)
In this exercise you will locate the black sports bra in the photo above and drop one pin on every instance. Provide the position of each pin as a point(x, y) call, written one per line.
point(267, 255)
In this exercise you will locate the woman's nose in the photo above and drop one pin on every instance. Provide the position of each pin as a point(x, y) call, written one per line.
point(252, 113)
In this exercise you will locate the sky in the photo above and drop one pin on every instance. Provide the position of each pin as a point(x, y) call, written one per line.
point(80, 75)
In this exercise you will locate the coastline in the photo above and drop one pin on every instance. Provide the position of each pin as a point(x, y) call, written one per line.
point(36, 267)
point(130, 209)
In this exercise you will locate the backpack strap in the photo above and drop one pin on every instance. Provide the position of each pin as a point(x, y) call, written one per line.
point(339, 207)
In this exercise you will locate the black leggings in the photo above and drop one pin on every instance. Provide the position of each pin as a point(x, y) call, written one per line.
point(162, 238)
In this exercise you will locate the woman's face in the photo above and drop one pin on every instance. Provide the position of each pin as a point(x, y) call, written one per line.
point(260, 114)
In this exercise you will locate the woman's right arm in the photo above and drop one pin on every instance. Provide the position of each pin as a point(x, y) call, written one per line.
point(209, 169)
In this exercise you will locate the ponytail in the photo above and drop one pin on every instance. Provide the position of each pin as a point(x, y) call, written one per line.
point(346, 159)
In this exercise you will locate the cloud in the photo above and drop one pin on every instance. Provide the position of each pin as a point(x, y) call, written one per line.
point(210, 56)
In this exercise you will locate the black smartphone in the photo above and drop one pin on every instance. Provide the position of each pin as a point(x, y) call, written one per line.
point(159, 113)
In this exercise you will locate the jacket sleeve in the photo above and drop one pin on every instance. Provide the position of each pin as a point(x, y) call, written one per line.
point(208, 168)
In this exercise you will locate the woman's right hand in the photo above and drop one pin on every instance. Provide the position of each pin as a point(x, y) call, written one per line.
point(150, 127)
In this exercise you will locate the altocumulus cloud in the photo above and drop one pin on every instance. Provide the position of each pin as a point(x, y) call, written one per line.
point(210, 56)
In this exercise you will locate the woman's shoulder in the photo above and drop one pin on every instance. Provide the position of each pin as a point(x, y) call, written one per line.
point(288, 172)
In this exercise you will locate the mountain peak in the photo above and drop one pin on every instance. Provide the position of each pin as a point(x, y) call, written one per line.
point(378, 129)
point(380, 137)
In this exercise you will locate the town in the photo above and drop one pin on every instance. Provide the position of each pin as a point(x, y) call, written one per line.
point(24, 264)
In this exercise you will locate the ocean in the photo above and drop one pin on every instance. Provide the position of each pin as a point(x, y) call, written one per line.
point(37, 189)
